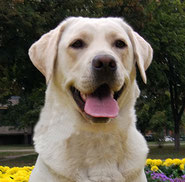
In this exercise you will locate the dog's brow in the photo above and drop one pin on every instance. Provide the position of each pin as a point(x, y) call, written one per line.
point(116, 35)
point(86, 36)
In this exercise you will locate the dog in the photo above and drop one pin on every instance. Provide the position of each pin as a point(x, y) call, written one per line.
point(87, 127)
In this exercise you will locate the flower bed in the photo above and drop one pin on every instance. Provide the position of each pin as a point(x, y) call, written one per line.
point(170, 170)
point(15, 174)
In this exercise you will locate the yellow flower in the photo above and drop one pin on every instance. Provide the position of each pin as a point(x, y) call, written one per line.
point(168, 162)
point(149, 162)
point(12, 170)
point(154, 168)
point(4, 169)
point(6, 179)
point(183, 161)
point(182, 167)
point(20, 178)
point(157, 162)
point(176, 162)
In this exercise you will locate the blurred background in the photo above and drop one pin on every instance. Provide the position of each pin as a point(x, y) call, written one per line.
point(161, 106)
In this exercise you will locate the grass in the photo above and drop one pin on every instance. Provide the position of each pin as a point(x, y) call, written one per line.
point(165, 143)
point(7, 154)
point(167, 151)
point(17, 150)
point(20, 162)
point(15, 147)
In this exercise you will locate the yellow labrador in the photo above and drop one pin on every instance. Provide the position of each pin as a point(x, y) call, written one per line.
point(87, 131)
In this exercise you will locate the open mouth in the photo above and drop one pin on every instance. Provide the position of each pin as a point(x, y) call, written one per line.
point(99, 105)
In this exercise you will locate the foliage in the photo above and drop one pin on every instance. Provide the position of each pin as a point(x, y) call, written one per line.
point(30, 105)
point(157, 125)
point(166, 32)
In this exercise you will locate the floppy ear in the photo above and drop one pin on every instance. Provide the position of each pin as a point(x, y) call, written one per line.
point(44, 51)
point(143, 53)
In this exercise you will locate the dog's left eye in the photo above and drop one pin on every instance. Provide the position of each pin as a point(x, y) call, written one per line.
point(119, 44)
point(78, 44)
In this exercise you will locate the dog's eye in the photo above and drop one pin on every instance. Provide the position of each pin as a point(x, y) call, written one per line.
point(119, 44)
point(78, 44)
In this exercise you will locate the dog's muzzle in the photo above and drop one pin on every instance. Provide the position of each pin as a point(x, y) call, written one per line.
point(100, 104)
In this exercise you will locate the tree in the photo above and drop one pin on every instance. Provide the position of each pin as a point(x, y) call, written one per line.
point(26, 113)
point(166, 31)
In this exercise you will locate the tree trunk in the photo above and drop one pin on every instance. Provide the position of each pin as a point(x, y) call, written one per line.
point(175, 116)
point(177, 135)
point(174, 106)
point(32, 132)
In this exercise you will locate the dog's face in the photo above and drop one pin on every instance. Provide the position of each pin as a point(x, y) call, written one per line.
point(93, 60)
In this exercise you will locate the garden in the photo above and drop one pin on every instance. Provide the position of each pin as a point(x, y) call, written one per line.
point(169, 170)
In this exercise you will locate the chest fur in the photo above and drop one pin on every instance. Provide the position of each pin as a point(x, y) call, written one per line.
point(89, 148)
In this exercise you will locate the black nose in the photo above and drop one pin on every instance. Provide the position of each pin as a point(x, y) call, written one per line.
point(105, 63)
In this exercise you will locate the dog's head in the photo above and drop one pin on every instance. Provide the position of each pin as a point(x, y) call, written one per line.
point(93, 61)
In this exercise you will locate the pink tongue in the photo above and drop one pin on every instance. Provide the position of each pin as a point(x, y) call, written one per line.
point(101, 107)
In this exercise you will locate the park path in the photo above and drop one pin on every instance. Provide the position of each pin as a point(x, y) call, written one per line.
point(17, 150)
point(6, 158)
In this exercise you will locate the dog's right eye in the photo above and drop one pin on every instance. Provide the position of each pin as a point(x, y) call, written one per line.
point(78, 44)
point(120, 44)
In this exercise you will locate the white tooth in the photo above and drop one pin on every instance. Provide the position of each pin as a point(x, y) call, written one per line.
point(84, 96)
point(112, 93)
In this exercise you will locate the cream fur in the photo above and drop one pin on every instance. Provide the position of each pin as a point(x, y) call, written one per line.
point(71, 148)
